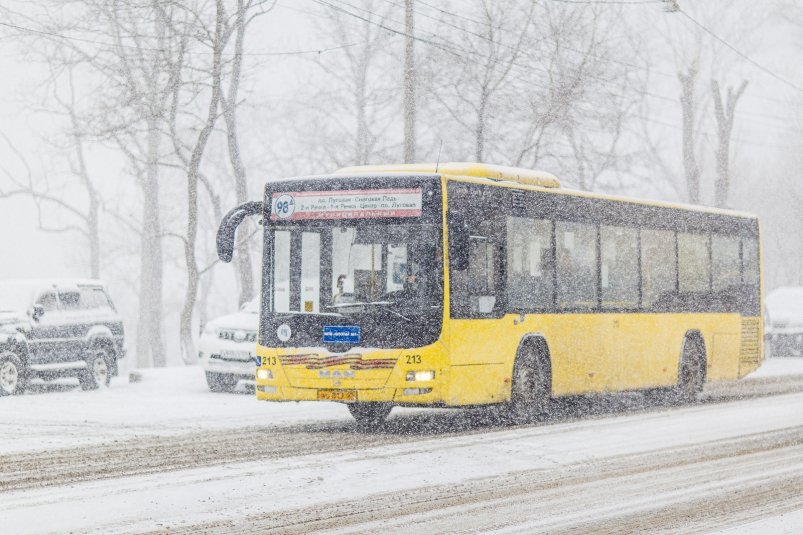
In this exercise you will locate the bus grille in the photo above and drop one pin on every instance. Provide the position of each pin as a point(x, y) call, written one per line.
point(749, 351)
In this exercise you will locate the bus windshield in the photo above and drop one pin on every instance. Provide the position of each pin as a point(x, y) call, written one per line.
point(358, 269)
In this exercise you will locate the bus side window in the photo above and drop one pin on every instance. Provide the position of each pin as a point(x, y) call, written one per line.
point(750, 269)
point(658, 267)
point(473, 290)
point(529, 264)
point(694, 263)
point(725, 262)
point(576, 246)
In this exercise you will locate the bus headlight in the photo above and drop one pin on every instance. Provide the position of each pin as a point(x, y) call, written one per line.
point(264, 374)
point(427, 375)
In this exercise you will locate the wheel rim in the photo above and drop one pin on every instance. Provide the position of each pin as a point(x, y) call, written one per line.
point(100, 370)
point(9, 377)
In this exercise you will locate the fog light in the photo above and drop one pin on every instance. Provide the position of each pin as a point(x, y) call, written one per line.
point(428, 375)
point(264, 374)
point(416, 391)
point(266, 389)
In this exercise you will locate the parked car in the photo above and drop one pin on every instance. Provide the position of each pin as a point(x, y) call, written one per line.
point(227, 349)
point(784, 321)
point(57, 328)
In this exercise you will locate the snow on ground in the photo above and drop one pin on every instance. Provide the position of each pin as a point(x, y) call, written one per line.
point(775, 366)
point(167, 401)
point(171, 401)
point(174, 401)
point(265, 486)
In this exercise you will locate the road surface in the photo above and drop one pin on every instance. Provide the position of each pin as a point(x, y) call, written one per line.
point(134, 459)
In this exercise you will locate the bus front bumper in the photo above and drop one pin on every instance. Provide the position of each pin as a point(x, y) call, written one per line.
point(418, 394)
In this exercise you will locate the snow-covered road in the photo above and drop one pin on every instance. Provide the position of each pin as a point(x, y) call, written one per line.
point(165, 454)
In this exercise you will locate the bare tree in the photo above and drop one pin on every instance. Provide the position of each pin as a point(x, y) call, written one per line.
point(724, 112)
point(42, 191)
point(688, 107)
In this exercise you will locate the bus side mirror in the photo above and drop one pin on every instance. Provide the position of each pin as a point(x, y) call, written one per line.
point(227, 231)
point(38, 312)
point(458, 241)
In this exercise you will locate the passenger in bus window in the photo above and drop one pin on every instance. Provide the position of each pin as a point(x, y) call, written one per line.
point(338, 297)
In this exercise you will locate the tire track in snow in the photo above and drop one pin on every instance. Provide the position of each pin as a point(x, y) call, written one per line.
point(692, 488)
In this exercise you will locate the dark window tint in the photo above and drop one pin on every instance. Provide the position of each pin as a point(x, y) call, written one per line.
point(658, 273)
point(48, 301)
point(70, 300)
point(619, 273)
point(576, 265)
point(529, 264)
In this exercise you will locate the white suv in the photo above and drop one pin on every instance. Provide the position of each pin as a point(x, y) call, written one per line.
point(227, 349)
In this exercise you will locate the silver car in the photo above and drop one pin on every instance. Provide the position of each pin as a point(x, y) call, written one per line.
point(227, 349)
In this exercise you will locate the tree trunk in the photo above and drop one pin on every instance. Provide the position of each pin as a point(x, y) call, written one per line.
point(191, 295)
point(687, 81)
point(242, 257)
point(149, 343)
point(725, 114)
point(409, 84)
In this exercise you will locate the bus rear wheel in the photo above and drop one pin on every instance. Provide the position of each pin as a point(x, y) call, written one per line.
point(531, 389)
point(370, 414)
point(691, 376)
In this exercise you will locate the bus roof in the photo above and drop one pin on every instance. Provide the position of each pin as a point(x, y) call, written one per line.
point(512, 177)
point(480, 170)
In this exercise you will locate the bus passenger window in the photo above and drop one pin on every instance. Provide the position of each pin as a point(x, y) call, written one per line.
point(529, 264)
point(474, 289)
point(619, 268)
point(750, 271)
point(576, 265)
point(658, 267)
point(725, 266)
point(694, 263)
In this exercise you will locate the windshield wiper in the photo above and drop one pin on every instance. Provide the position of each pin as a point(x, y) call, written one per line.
point(285, 315)
point(384, 305)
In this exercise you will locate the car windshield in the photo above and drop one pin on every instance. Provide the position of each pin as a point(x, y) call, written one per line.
point(15, 297)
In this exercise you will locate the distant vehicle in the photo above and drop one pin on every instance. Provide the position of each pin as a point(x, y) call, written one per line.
point(227, 350)
point(784, 320)
point(463, 284)
point(57, 328)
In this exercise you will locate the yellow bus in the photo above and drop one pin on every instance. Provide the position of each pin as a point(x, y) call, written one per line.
point(465, 284)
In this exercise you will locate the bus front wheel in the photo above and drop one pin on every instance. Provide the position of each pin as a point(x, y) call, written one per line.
point(370, 414)
point(531, 388)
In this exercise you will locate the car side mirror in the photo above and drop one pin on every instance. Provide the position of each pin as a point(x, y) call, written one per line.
point(458, 241)
point(38, 312)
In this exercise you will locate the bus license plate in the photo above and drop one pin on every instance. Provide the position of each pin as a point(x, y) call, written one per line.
point(337, 395)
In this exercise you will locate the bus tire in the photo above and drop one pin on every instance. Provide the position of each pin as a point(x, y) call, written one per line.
point(692, 369)
point(370, 415)
point(531, 388)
